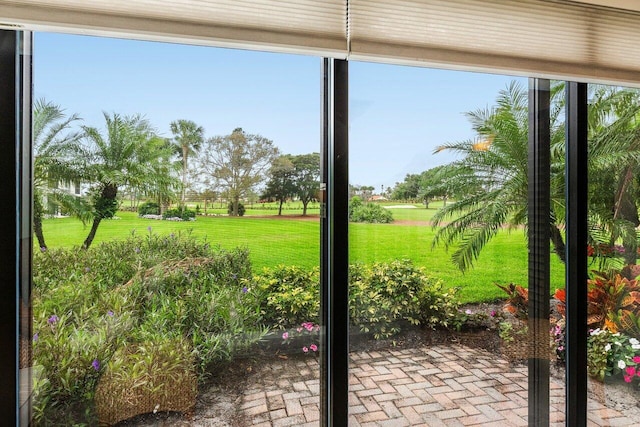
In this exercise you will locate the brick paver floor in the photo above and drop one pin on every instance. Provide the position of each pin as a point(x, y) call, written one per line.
point(428, 386)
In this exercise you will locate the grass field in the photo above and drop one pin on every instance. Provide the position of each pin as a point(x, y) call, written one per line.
point(295, 241)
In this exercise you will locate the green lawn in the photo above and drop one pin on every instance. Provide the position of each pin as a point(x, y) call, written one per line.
point(273, 241)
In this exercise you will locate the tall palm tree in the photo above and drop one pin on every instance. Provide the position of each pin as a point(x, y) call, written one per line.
point(119, 157)
point(187, 138)
point(57, 154)
point(493, 170)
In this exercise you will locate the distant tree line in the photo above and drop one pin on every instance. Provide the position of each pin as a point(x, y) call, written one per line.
point(128, 155)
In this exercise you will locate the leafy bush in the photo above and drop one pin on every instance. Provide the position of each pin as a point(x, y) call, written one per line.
point(184, 214)
point(517, 300)
point(613, 302)
point(369, 212)
point(382, 297)
point(288, 295)
point(202, 299)
point(241, 209)
point(385, 295)
point(149, 208)
point(88, 304)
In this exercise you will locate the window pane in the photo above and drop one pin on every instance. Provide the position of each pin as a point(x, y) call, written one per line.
point(613, 309)
point(177, 234)
point(438, 290)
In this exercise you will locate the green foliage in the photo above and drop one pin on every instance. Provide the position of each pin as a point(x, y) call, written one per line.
point(288, 295)
point(104, 207)
point(383, 296)
point(613, 303)
point(610, 354)
point(368, 212)
point(149, 208)
point(241, 209)
point(146, 289)
point(517, 300)
point(202, 299)
point(184, 214)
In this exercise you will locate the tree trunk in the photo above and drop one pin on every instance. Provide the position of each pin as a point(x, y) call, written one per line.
point(37, 229)
point(103, 210)
point(184, 176)
point(558, 243)
point(627, 210)
point(236, 202)
point(92, 233)
point(304, 207)
point(280, 208)
point(37, 221)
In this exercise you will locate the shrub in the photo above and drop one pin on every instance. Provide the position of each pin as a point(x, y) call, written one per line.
point(517, 300)
point(197, 298)
point(383, 296)
point(88, 304)
point(369, 212)
point(183, 214)
point(289, 295)
point(148, 208)
point(613, 302)
point(241, 209)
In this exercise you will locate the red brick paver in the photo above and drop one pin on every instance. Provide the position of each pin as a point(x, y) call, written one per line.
point(429, 386)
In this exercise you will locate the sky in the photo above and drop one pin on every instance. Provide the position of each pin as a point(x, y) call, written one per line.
point(398, 114)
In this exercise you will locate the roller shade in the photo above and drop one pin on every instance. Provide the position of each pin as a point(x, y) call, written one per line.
point(525, 37)
point(581, 40)
point(309, 26)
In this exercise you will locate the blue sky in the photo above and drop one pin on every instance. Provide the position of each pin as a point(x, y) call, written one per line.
point(397, 114)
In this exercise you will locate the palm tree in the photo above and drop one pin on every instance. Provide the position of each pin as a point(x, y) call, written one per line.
point(187, 138)
point(614, 167)
point(57, 154)
point(493, 170)
point(122, 156)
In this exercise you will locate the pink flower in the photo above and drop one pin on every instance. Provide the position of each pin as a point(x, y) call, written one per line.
point(299, 329)
point(313, 347)
point(285, 335)
point(627, 379)
point(493, 313)
point(630, 370)
point(305, 349)
point(636, 359)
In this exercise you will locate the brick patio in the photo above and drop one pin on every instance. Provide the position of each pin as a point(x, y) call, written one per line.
point(429, 386)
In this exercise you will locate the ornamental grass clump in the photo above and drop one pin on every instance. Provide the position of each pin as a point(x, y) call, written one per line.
point(147, 377)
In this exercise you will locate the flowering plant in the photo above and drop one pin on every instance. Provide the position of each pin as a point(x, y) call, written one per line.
point(306, 335)
point(558, 340)
point(611, 354)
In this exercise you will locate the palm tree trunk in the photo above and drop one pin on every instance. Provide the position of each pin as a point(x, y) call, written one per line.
point(105, 208)
point(37, 222)
point(92, 232)
point(558, 243)
point(185, 153)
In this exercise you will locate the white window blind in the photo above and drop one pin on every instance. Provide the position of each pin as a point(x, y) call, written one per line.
point(310, 26)
point(581, 39)
point(527, 37)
